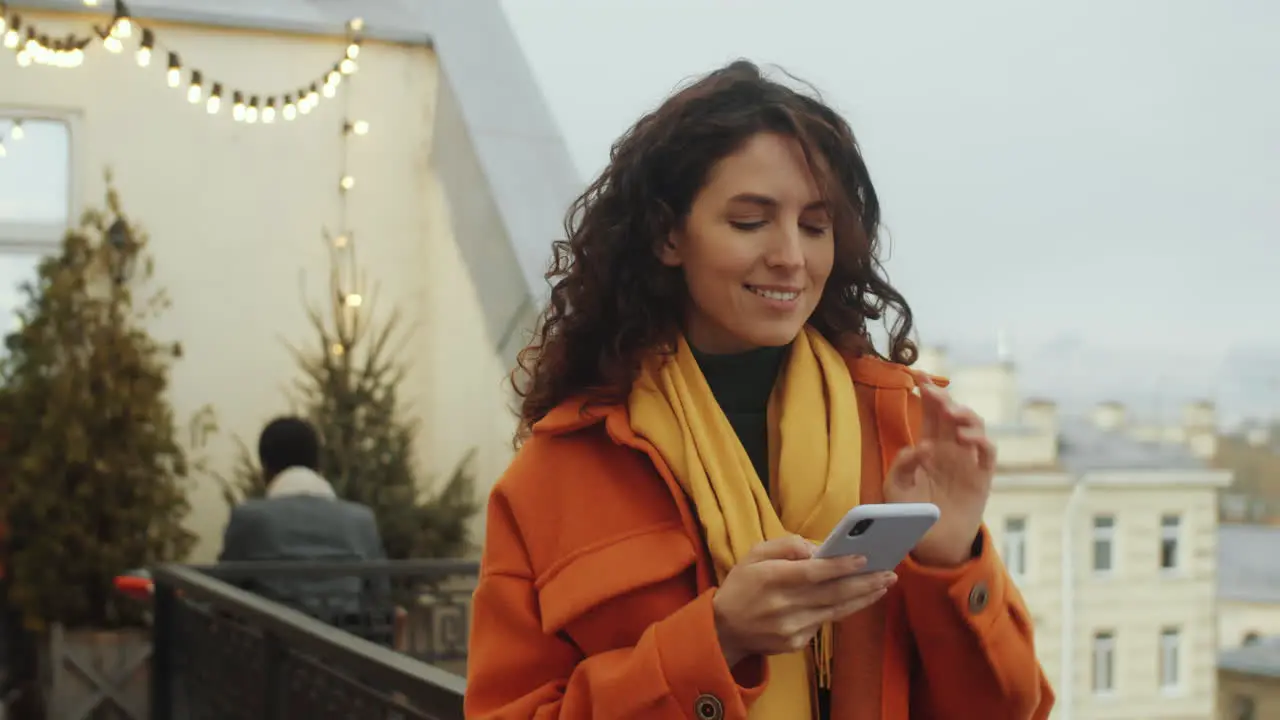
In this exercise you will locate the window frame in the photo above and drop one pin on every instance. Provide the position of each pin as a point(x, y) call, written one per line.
point(42, 237)
point(1170, 670)
point(1099, 534)
point(38, 240)
point(1015, 557)
point(1103, 649)
point(1171, 534)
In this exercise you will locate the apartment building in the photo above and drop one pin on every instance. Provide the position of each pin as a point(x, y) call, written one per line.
point(1249, 682)
point(1248, 585)
point(1111, 537)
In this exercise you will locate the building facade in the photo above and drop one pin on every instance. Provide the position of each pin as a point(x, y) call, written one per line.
point(1112, 542)
point(452, 188)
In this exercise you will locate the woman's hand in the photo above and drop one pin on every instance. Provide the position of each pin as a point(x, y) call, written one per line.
point(777, 598)
point(951, 466)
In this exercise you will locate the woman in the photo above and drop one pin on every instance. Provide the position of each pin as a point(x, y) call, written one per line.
point(703, 404)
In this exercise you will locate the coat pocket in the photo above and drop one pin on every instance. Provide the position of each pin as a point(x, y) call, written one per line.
point(605, 595)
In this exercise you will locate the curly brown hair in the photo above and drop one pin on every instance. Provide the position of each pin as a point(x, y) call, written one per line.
point(612, 301)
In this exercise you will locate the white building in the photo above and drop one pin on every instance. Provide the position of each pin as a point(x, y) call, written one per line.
point(1111, 539)
point(457, 190)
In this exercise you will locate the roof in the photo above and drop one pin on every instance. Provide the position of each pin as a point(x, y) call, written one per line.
point(1083, 447)
point(1260, 659)
point(490, 96)
point(1248, 563)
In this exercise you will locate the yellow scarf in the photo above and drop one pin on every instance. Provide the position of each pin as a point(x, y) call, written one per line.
point(815, 449)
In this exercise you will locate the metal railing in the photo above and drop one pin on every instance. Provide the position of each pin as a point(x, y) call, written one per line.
point(277, 641)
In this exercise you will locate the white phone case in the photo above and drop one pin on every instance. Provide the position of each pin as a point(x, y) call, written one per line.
point(883, 533)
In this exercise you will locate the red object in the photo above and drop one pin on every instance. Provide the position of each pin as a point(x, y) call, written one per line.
point(138, 588)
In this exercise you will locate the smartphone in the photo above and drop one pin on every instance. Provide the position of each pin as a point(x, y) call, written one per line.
point(882, 533)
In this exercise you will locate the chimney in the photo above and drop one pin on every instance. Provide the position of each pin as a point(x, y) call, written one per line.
point(1200, 415)
point(1109, 415)
point(1041, 414)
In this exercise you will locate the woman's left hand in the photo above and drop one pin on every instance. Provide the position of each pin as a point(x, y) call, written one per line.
point(951, 465)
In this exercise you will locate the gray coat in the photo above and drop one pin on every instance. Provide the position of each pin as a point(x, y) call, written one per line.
point(315, 528)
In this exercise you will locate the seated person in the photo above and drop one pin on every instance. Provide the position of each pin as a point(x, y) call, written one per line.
point(301, 518)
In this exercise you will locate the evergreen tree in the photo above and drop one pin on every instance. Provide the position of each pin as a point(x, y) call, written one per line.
point(349, 390)
point(93, 476)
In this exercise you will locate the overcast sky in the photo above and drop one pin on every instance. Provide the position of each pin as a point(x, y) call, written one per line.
point(1099, 179)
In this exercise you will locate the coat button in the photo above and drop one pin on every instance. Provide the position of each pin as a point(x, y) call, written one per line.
point(708, 707)
point(978, 598)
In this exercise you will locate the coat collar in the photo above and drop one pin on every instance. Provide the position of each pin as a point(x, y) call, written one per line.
point(578, 413)
point(300, 481)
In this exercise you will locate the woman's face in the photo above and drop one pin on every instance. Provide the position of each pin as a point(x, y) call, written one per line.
point(756, 249)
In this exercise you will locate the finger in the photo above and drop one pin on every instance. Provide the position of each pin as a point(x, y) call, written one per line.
point(809, 573)
point(792, 547)
point(908, 463)
point(966, 418)
point(841, 591)
point(844, 610)
point(986, 455)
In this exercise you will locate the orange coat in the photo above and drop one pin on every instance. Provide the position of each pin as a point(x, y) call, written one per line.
point(595, 591)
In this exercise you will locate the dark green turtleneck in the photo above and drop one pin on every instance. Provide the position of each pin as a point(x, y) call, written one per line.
point(742, 383)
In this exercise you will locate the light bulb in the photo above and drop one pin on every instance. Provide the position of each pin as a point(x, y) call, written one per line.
point(193, 93)
point(290, 110)
point(214, 104)
point(329, 90)
point(144, 56)
point(333, 77)
point(347, 182)
point(112, 44)
point(269, 113)
point(251, 112)
point(11, 39)
point(174, 77)
point(122, 29)
point(238, 112)
point(353, 50)
point(341, 241)
point(91, 3)
point(337, 349)
point(16, 132)
point(347, 66)
point(24, 59)
point(353, 300)
point(356, 24)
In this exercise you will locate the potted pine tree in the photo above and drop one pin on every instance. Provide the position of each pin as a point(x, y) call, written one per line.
point(94, 475)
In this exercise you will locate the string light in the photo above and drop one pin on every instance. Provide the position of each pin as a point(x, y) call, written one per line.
point(347, 182)
point(16, 132)
point(196, 88)
point(237, 106)
point(251, 115)
point(145, 48)
point(174, 74)
point(33, 48)
point(343, 241)
point(215, 99)
point(359, 127)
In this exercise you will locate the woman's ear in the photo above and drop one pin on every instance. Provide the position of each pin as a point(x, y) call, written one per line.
point(669, 250)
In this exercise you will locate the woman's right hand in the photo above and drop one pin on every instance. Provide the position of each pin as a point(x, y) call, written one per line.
point(776, 599)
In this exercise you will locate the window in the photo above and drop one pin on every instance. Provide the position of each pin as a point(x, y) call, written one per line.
point(35, 202)
point(1014, 551)
point(1170, 669)
point(1104, 529)
point(1170, 529)
point(1104, 662)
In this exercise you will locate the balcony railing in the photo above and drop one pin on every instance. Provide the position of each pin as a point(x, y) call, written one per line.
point(276, 641)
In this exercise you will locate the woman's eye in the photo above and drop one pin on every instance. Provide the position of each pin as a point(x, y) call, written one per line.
point(747, 224)
point(815, 230)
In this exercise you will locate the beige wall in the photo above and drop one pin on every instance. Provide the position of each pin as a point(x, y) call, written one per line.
point(235, 213)
point(1263, 691)
point(1236, 620)
point(1069, 603)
